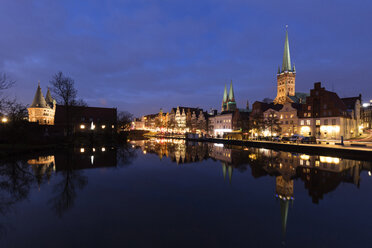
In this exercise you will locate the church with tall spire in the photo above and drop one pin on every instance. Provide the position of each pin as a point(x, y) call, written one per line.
point(228, 100)
point(42, 110)
point(286, 79)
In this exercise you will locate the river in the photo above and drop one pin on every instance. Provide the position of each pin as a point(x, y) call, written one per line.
point(170, 193)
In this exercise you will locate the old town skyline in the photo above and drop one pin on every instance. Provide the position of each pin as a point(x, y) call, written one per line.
point(196, 71)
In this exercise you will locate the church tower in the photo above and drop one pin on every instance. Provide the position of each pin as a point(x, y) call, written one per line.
point(286, 76)
point(42, 110)
point(231, 104)
point(224, 100)
point(228, 101)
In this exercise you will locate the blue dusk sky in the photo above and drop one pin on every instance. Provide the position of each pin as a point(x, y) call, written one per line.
point(141, 56)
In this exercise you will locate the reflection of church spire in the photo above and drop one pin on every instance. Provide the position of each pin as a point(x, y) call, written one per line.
point(284, 205)
point(230, 169)
point(224, 170)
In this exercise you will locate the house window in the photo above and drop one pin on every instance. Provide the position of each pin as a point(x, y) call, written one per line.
point(302, 122)
point(326, 122)
point(309, 114)
point(333, 121)
point(308, 122)
point(309, 107)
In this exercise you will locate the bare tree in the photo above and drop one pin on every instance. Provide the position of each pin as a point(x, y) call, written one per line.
point(63, 88)
point(15, 111)
point(272, 123)
point(5, 84)
point(124, 120)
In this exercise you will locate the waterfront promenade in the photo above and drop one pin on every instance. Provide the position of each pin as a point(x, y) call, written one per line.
point(351, 150)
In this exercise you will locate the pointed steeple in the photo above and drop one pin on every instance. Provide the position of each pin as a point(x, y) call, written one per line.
point(39, 100)
point(224, 99)
point(286, 56)
point(231, 93)
point(48, 97)
point(278, 69)
point(294, 68)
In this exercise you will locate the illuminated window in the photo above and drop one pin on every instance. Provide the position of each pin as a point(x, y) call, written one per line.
point(302, 122)
point(317, 122)
point(309, 107)
point(103, 126)
point(308, 122)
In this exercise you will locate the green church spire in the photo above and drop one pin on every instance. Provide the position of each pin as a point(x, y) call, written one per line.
point(231, 93)
point(224, 100)
point(286, 56)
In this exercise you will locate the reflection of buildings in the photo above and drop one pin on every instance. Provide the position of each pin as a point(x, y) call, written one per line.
point(43, 166)
point(86, 158)
point(320, 174)
point(177, 150)
point(78, 159)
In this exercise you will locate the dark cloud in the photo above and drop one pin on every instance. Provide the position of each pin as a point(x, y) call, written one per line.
point(143, 55)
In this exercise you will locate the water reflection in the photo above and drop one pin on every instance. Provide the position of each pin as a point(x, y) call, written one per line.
point(16, 179)
point(319, 174)
point(139, 196)
point(19, 176)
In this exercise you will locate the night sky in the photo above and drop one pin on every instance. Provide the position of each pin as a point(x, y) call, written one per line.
point(141, 56)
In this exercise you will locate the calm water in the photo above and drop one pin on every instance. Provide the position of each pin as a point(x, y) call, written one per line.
point(164, 193)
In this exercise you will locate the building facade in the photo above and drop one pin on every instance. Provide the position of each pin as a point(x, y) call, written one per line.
point(367, 115)
point(328, 117)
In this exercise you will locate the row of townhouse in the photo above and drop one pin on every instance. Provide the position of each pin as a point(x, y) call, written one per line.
point(178, 120)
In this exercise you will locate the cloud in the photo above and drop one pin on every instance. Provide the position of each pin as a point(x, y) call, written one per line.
point(143, 55)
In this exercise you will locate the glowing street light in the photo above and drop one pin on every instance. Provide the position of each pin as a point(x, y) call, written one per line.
point(4, 120)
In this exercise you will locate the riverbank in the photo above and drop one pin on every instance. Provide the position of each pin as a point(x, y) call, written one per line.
point(9, 150)
point(349, 152)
